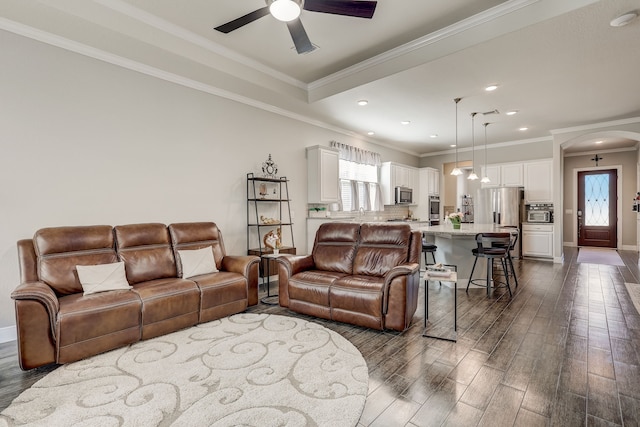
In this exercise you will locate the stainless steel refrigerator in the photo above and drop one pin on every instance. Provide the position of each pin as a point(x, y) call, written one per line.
point(502, 206)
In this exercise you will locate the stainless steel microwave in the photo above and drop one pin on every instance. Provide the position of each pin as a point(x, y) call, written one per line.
point(404, 196)
point(538, 216)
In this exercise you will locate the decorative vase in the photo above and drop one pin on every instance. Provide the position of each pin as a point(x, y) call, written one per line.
point(277, 251)
point(456, 225)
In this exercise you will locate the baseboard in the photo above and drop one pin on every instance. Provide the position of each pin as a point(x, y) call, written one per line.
point(8, 334)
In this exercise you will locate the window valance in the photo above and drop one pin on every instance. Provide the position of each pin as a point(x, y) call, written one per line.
point(355, 154)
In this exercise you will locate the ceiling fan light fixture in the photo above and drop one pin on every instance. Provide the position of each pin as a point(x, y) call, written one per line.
point(623, 20)
point(285, 10)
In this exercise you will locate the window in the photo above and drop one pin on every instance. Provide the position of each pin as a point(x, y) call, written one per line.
point(359, 186)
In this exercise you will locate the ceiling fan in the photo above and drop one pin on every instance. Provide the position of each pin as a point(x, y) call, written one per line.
point(289, 11)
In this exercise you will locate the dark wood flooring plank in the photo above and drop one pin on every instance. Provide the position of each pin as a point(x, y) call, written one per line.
point(482, 387)
point(503, 408)
point(530, 419)
point(603, 399)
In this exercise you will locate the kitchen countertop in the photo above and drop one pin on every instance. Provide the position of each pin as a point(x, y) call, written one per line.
point(465, 230)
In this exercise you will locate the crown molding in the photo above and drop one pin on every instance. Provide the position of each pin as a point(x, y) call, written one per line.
point(432, 38)
point(190, 37)
point(91, 52)
point(629, 121)
point(592, 152)
point(491, 146)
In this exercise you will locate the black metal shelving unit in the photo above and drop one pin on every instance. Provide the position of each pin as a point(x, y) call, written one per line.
point(275, 202)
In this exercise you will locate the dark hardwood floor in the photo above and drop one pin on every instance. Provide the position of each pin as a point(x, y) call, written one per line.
point(564, 351)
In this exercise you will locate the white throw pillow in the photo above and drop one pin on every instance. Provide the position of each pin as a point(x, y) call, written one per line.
point(102, 277)
point(197, 262)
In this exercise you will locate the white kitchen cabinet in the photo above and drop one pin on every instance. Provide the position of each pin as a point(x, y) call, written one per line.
point(493, 173)
point(394, 175)
point(504, 175)
point(432, 182)
point(511, 175)
point(322, 175)
point(537, 240)
point(538, 182)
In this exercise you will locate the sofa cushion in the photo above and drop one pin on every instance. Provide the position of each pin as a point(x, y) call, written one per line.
point(146, 252)
point(221, 294)
point(363, 294)
point(335, 247)
point(102, 277)
point(359, 300)
point(381, 248)
point(195, 262)
point(87, 325)
point(313, 286)
point(197, 235)
point(60, 249)
point(168, 305)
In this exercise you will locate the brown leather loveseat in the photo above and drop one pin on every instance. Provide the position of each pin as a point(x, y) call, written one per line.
point(58, 322)
point(363, 274)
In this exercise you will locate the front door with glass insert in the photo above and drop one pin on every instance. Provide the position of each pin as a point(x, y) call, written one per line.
point(597, 208)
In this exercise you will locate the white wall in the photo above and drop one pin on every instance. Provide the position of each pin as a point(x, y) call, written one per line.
point(85, 142)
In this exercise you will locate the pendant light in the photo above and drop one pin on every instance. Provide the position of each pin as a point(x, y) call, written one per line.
point(456, 171)
point(472, 176)
point(485, 179)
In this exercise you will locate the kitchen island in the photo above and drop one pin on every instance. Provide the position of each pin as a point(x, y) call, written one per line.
point(455, 245)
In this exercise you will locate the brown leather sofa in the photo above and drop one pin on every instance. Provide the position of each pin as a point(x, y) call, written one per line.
point(57, 323)
point(363, 274)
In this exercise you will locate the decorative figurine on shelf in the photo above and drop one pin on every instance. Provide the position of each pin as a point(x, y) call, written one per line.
point(273, 240)
point(269, 169)
point(268, 221)
point(263, 190)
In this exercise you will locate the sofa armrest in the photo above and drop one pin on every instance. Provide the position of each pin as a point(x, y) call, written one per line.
point(400, 270)
point(239, 263)
point(36, 307)
point(42, 293)
point(400, 295)
point(294, 264)
point(289, 265)
point(248, 266)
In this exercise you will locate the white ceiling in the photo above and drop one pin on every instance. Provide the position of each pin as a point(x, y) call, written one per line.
point(558, 63)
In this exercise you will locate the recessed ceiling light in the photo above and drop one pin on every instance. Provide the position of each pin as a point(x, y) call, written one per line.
point(623, 20)
point(434, 135)
point(405, 122)
point(371, 133)
point(511, 113)
point(599, 142)
point(491, 87)
point(363, 102)
point(523, 128)
point(452, 145)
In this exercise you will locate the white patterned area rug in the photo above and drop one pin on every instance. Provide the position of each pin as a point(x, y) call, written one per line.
point(247, 369)
point(634, 293)
point(599, 256)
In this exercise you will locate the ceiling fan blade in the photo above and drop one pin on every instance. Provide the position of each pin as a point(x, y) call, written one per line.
point(243, 20)
point(358, 9)
point(299, 36)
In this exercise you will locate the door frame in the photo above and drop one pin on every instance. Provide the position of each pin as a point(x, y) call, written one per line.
point(574, 225)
